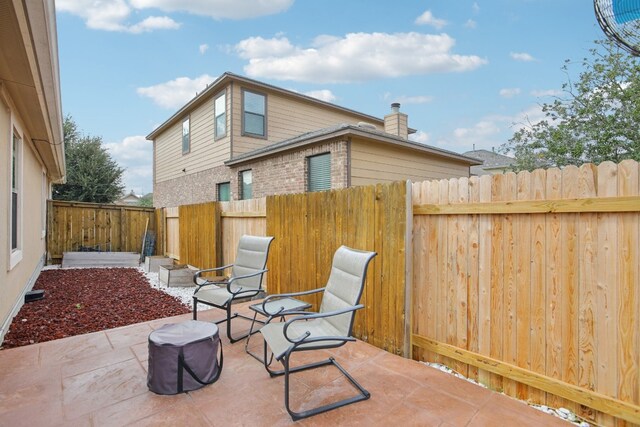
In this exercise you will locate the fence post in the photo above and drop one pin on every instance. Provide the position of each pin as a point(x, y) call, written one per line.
point(408, 271)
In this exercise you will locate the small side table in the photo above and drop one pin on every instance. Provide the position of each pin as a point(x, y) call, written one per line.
point(281, 307)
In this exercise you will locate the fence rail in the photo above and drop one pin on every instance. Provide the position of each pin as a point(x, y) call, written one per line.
point(528, 283)
point(73, 226)
point(555, 292)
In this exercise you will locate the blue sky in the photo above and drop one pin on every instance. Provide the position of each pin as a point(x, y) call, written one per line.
point(466, 72)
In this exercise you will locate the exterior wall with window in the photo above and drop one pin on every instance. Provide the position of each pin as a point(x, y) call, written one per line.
point(373, 163)
point(286, 117)
point(23, 196)
point(207, 150)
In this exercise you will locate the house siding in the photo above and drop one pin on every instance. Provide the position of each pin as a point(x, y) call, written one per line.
point(205, 152)
point(287, 117)
point(19, 279)
point(279, 174)
point(373, 163)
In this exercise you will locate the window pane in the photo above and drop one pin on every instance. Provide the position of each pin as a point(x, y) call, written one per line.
point(254, 124)
point(221, 125)
point(220, 109)
point(320, 172)
point(254, 103)
point(224, 192)
point(247, 185)
point(185, 136)
point(14, 220)
point(14, 159)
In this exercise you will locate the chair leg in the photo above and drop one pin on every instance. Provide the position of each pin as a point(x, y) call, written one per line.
point(363, 393)
point(195, 308)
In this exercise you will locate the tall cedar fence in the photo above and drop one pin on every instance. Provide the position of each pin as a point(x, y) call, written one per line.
point(72, 226)
point(529, 283)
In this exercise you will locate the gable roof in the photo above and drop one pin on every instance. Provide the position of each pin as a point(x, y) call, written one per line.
point(491, 159)
point(341, 130)
point(227, 77)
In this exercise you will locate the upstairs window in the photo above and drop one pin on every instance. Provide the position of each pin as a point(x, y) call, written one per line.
point(224, 192)
point(254, 110)
point(319, 172)
point(220, 112)
point(186, 136)
point(246, 185)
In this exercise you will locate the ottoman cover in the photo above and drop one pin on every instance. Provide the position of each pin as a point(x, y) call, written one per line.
point(183, 357)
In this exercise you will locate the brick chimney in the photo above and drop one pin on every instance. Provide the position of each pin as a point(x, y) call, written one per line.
point(396, 123)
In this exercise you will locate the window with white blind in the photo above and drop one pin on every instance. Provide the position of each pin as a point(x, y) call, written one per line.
point(319, 172)
point(15, 213)
point(246, 185)
point(220, 112)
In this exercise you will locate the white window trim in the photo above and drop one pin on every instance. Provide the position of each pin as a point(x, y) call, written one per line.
point(15, 255)
point(45, 197)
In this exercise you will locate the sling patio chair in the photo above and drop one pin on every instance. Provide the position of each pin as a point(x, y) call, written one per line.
point(244, 282)
point(329, 328)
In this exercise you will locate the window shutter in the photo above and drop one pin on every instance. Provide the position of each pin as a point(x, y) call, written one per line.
point(320, 172)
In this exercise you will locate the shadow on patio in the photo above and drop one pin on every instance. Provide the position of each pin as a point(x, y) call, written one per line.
point(99, 379)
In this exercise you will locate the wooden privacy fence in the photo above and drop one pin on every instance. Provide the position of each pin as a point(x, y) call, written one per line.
point(308, 228)
point(72, 226)
point(530, 284)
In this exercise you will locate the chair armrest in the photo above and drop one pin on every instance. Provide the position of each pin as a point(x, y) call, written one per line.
point(244, 276)
point(280, 296)
point(198, 273)
point(303, 338)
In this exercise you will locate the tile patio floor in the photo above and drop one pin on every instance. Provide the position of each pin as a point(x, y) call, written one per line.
point(99, 379)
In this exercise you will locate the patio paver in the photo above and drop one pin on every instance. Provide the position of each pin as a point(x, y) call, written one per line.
point(99, 379)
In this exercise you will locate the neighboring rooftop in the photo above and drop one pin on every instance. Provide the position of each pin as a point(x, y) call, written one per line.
point(492, 162)
point(341, 130)
point(212, 88)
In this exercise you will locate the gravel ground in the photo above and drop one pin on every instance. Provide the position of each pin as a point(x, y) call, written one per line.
point(185, 295)
point(83, 300)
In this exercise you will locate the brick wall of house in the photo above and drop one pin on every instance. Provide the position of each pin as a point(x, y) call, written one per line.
point(280, 174)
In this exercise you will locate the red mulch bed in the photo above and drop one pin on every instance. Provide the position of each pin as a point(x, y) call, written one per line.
point(79, 301)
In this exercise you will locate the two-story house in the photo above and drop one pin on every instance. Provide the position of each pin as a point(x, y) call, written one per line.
point(241, 139)
point(31, 144)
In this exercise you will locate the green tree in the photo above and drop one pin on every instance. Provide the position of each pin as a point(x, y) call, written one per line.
point(146, 200)
point(92, 175)
point(596, 119)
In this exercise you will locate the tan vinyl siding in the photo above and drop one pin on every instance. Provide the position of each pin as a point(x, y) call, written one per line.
point(205, 153)
point(287, 117)
point(374, 162)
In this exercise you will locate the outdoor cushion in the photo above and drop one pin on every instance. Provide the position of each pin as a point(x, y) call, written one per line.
point(273, 334)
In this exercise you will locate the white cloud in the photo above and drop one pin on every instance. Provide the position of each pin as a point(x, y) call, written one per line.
point(323, 95)
point(475, 7)
point(175, 93)
point(548, 92)
point(203, 48)
point(427, 18)
point(471, 24)
point(522, 56)
point(420, 136)
point(154, 23)
point(354, 57)
point(218, 9)
point(509, 92)
point(112, 15)
point(491, 131)
point(257, 47)
point(135, 154)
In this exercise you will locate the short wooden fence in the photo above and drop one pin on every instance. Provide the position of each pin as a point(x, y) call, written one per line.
point(73, 226)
